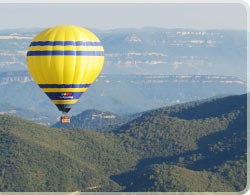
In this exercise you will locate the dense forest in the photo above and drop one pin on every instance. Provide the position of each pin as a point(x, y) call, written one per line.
point(199, 146)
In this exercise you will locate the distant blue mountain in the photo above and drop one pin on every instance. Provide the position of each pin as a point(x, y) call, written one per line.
point(120, 94)
point(150, 51)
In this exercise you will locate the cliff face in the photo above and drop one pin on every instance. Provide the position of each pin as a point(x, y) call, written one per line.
point(150, 50)
point(24, 76)
point(14, 76)
point(20, 79)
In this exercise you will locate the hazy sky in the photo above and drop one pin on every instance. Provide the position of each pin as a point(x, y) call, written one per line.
point(110, 16)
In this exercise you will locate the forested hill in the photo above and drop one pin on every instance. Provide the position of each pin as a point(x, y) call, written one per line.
point(185, 136)
point(192, 147)
point(37, 158)
point(205, 108)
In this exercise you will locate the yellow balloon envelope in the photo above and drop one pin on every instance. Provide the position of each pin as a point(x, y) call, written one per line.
point(64, 61)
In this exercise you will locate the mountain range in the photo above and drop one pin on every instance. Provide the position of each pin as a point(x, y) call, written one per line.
point(150, 51)
point(166, 114)
point(198, 146)
point(144, 69)
point(119, 94)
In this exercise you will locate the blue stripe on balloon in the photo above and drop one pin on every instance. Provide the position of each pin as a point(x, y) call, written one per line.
point(64, 85)
point(64, 95)
point(65, 43)
point(65, 53)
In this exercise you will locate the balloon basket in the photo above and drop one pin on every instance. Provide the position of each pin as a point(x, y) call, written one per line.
point(65, 119)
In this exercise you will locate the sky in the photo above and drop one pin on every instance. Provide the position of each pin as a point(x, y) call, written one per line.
point(130, 15)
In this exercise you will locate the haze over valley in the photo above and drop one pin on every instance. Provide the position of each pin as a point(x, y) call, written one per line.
point(144, 69)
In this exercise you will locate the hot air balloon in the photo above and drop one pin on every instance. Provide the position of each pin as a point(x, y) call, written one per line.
point(64, 61)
